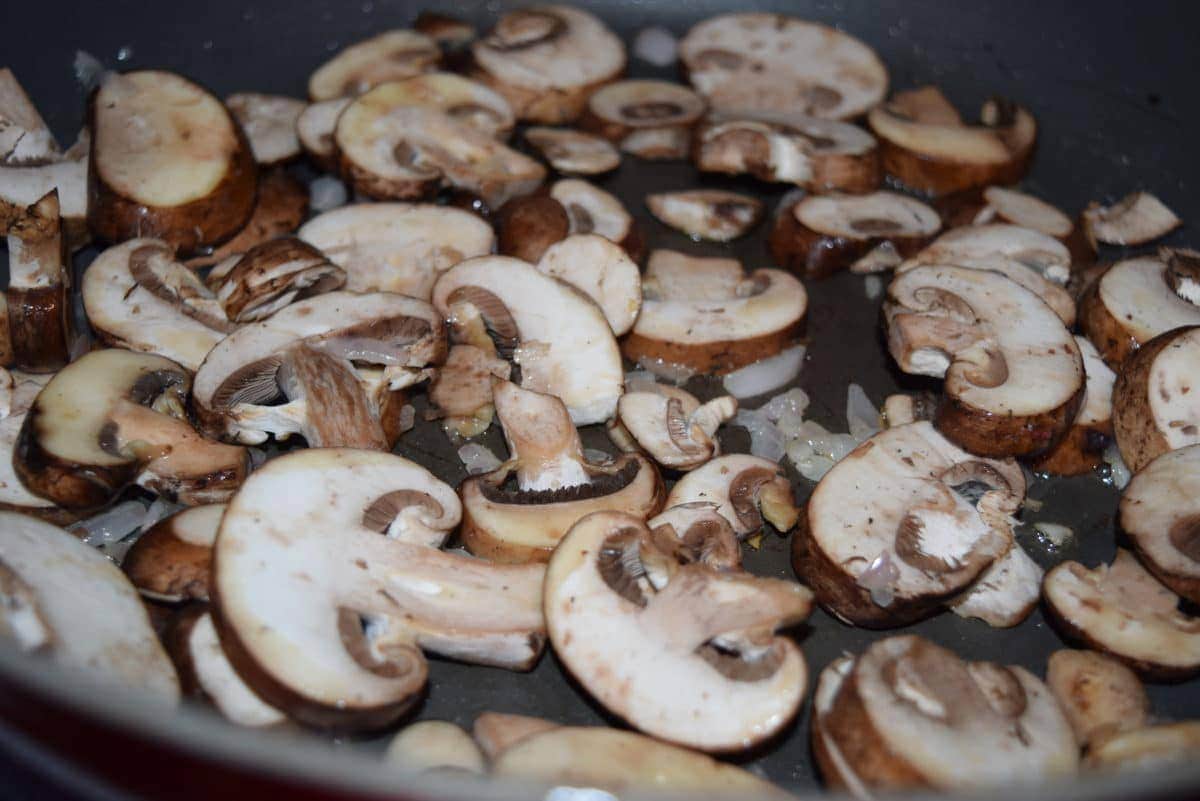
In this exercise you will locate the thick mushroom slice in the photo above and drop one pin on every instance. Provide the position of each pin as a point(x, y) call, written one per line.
point(602, 271)
point(1003, 204)
point(461, 392)
point(770, 62)
point(684, 652)
point(1154, 408)
point(271, 275)
point(546, 60)
point(167, 161)
point(38, 332)
point(1100, 696)
point(1122, 611)
point(435, 745)
point(269, 122)
point(281, 206)
point(527, 226)
point(709, 315)
point(1014, 375)
point(673, 426)
point(926, 146)
point(1005, 593)
point(572, 152)
point(1148, 748)
point(462, 100)
point(302, 371)
point(911, 539)
point(650, 119)
point(819, 235)
point(112, 418)
point(558, 336)
point(315, 127)
point(347, 535)
point(748, 492)
point(712, 214)
point(389, 56)
point(1082, 449)
point(1160, 513)
point(496, 732)
point(22, 187)
point(22, 390)
point(1136, 220)
point(591, 210)
point(520, 511)
point(910, 714)
point(24, 136)
point(831, 762)
point(171, 562)
point(68, 602)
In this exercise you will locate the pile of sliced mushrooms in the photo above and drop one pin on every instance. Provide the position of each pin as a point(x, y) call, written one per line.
point(201, 489)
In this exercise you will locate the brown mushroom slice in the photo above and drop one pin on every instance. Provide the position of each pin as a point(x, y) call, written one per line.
point(171, 561)
point(463, 100)
point(112, 418)
point(1154, 409)
point(546, 60)
point(496, 732)
point(167, 161)
point(38, 310)
point(927, 148)
point(1160, 513)
point(269, 122)
point(771, 62)
point(315, 127)
point(1005, 593)
point(68, 602)
point(1122, 611)
point(709, 315)
point(24, 136)
point(22, 390)
point(712, 214)
point(1025, 210)
point(602, 271)
point(461, 392)
point(650, 119)
point(435, 745)
point(272, 275)
point(591, 210)
point(1082, 449)
point(686, 653)
point(389, 56)
point(1155, 747)
point(572, 152)
point(22, 187)
point(281, 206)
point(367, 596)
point(1100, 696)
point(912, 714)
point(918, 542)
point(697, 532)
point(748, 491)
point(819, 235)
point(1135, 220)
point(1014, 375)
point(831, 762)
point(451, 33)
point(673, 426)
point(527, 226)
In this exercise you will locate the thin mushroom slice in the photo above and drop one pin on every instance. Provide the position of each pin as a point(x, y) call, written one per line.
point(23, 186)
point(1183, 272)
point(650, 119)
point(771, 62)
point(38, 333)
point(469, 102)
point(435, 745)
point(272, 275)
point(591, 210)
point(1154, 408)
point(496, 732)
point(1082, 449)
point(748, 491)
point(171, 561)
point(24, 136)
point(1155, 747)
point(602, 271)
point(685, 653)
point(834, 768)
point(269, 122)
point(1003, 204)
point(1005, 593)
point(389, 56)
point(346, 652)
point(22, 390)
point(571, 152)
point(1100, 696)
point(315, 127)
point(1135, 220)
point(711, 214)
point(1160, 514)
point(696, 532)
point(673, 426)
point(461, 392)
point(281, 206)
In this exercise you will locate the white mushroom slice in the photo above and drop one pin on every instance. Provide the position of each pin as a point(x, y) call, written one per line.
point(1014, 375)
point(435, 745)
point(1122, 611)
point(271, 275)
point(1026, 211)
point(831, 762)
point(345, 651)
point(685, 653)
point(1160, 513)
point(171, 561)
point(24, 136)
point(1082, 449)
point(1100, 696)
point(772, 62)
point(1157, 747)
point(565, 345)
point(1135, 220)
point(496, 732)
point(283, 202)
point(24, 389)
point(650, 119)
point(591, 210)
point(389, 56)
point(697, 532)
point(710, 316)
point(462, 100)
point(918, 542)
point(602, 271)
point(37, 336)
point(1005, 593)
point(711, 214)
point(748, 492)
point(269, 122)
point(673, 427)
point(461, 392)
point(1183, 272)
point(572, 152)
point(1154, 407)
point(70, 603)
point(315, 127)
point(21, 187)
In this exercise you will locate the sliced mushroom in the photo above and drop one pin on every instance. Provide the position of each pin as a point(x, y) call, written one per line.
point(528, 225)
point(167, 161)
point(1149, 748)
point(1160, 513)
point(1154, 408)
point(710, 316)
point(602, 271)
point(1135, 220)
point(21, 390)
point(591, 210)
point(281, 206)
point(1021, 208)
point(461, 392)
point(1100, 696)
point(831, 762)
point(269, 122)
point(368, 593)
point(496, 732)
point(650, 119)
point(673, 426)
point(1005, 593)
point(1014, 375)
point(315, 127)
point(1082, 449)
point(686, 653)
point(171, 561)
point(465, 101)
point(269, 276)
point(711, 214)
point(38, 332)
point(24, 136)
point(435, 745)
point(901, 409)
point(697, 532)
point(451, 33)
point(771, 62)
point(572, 152)
point(748, 491)
point(389, 56)
point(22, 187)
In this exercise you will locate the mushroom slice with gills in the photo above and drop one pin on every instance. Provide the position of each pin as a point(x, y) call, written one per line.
point(685, 653)
point(546, 60)
point(23, 186)
point(167, 161)
point(496, 732)
point(1082, 449)
point(281, 206)
point(822, 234)
point(171, 561)
point(1122, 611)
point(591, 210)
point(601, 270)
point(708, 315)
point(573, 152)
point(269, 122)
point(832, 764)
point(696, 532)
point(1160, 514)
point(1135, 220)
point(1014, 375)
point(926, 146)
point(1149, 748)
point(67, 602)
point(461, 392)
point(1100, 696)
point(435, 745)
point(368, 596)
point(650, 119)
point(23, 389)
point(520, 511)
point(112, 418)
point(390, 56)
point(748, 491)
point(38, 332)
point(397, 247)
point(271, 275)
point(461, 99)
point(1005, 593)
point(911, 714)
point(24, 136)
point(1154, 408)
point(315, 127)
point(771, 62)
point(302, 370)
point(562, 340)
point(673, 426)
point(712, 214)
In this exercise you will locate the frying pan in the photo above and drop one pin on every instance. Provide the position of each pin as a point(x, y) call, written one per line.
point(1110, 85)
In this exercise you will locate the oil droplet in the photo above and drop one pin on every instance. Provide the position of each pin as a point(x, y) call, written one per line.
point(208, 44)
point(125, 53)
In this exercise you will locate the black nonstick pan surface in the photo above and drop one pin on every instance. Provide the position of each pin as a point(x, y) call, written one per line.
point(1111, 84)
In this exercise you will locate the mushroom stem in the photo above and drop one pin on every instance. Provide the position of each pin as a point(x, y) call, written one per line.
point(339, 413)
point(541, 437)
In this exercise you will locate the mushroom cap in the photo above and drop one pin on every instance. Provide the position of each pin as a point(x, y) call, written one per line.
point(269, 122)
point(389, 56)
point(573, 152)
point(601, 270)
point(1160, 513)
point(550, 47)
point(172, 561)
point(1130, 304)
point(1154, 409)
point(747, 491)
point(713, 214)
point(281, 206)
point(1100, 696)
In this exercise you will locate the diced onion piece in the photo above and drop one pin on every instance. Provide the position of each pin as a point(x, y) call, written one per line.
point(767, 375)
point(478, 459)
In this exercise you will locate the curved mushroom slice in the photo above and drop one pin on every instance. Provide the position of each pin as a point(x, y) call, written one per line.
point(697, 532)
point(820, 235)
point(926, 146)
point(1160, 513)
point(520, 511)
point(1005, 593)
point(315, 127)
point(831, 762)
point(171, 562)
point(602, 271)
point(269, 122)
point(367, 592)
point(591, 210)
point(22, 187)
point(748, 492)
point(306, 356)
point(461, 392)
point(650, 119)
point(1100, 696)
point(389, 56)
point(673, 427)
point(281, 206)
point(1003, 204)
point(271, 275)
point(708, 315)
point(112, 418)
point(686, 653)
point(562, 341)
point(573, 153)
point(435, 745)
point(167, 161)
point(22, 390)
point(1014, 375)
point(1153, 407)
point(1147, 748)
point(711, 214)
point(70, 603)
point(24, 136)
point(546, 60)
point(919, 541)
point(38, 307)
point(771, 62)
point(1136, 220)
point(1082, 449)
point(1120, 610)
point(911, 714)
